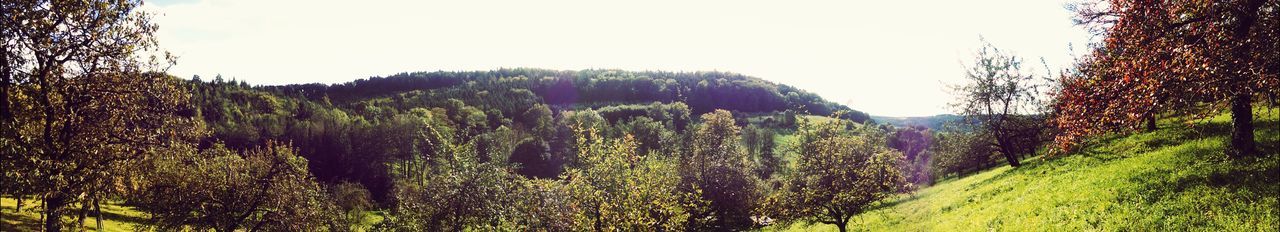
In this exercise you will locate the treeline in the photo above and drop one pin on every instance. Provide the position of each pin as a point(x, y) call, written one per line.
point(702, 91)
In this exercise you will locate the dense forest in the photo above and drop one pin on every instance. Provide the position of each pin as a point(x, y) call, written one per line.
point(509, 116)
point(89, 117)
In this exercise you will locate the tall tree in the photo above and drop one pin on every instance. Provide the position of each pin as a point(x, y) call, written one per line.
point(1175, 55)
point(718, 165)
point(75, 100)
point(996, 94)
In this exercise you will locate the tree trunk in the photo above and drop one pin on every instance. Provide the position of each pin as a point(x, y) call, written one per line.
point(1008, 152)
point(1242, 143)
point(6, 79)
point(97, 213)
point(53, 212)
point(1151, 122)
point(842, 226)
point(83, 214)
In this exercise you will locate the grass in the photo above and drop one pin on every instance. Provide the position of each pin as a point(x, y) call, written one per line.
point(1176, 178)
point(115, 217)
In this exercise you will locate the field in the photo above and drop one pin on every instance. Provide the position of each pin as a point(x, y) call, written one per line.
point(1174, 179)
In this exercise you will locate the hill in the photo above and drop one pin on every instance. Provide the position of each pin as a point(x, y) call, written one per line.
point(932, 122)
point(702, 91)
point(519, 115)
point(1174, 179)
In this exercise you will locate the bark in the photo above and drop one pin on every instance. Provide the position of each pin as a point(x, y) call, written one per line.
point(53, 206)
point(1007, 151)
point(1242, 142)
point(97, 212)
point(1151, 122)
point(83, 214)
point(6, 79)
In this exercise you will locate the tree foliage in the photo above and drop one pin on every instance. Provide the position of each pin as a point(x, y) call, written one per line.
point(75, 100)
point(618, 189)
point(718, 168)
point(1185, 57)
point(838, 174)
point(266, 189)
point(996, 95)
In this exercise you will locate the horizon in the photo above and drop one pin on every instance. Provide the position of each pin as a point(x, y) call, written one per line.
point(819, 46)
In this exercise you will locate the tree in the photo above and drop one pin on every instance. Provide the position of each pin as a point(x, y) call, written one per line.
point(960, 149)
point(1173, 55)
point(74, 99)
point(262, 189)
point(838, 174)
point(458, 192)
point(718, 166)
point(914, 143)
point(996, 93)
point(352, 201)
point(760, 145)
point(618, 189)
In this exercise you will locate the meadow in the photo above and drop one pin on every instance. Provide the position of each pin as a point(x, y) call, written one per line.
point(1173, 179)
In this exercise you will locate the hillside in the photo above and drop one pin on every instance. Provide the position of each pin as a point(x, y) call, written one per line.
point(1173, 179)
point(518, 115)
point(702, 91)
point(932, 122)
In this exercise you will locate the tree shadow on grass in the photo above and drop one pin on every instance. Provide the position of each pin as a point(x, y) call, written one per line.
point(123, 218)
point(1255, 175)
point(16, 222)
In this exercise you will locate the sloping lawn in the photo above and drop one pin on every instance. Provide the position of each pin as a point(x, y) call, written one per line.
point(1173, 179)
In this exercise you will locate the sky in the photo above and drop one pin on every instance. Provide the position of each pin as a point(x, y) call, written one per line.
point(889, 58)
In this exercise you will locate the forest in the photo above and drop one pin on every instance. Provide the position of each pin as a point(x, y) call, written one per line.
point(90, 120)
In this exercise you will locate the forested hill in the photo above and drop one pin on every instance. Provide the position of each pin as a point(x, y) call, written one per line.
point(359, 131)
point(512, 90)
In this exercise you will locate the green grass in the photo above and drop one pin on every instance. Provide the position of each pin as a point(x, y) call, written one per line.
point(115, 217)
point(1175, 179)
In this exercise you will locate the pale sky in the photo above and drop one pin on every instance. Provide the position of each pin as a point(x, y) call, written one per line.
point(891, 58)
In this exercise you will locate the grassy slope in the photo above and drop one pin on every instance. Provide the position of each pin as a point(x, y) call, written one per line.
point(1176, 178)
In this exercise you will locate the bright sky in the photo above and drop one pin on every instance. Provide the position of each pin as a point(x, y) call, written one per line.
point(891, 58)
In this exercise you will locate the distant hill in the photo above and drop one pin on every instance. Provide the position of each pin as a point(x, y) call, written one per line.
point(932, 122)
point(702, 91)
point(352, 131)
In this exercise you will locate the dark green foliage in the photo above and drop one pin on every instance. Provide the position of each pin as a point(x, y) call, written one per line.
point(512, 90)
point(534, 159)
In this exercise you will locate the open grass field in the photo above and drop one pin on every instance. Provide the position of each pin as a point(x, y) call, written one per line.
point(1173, 179)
